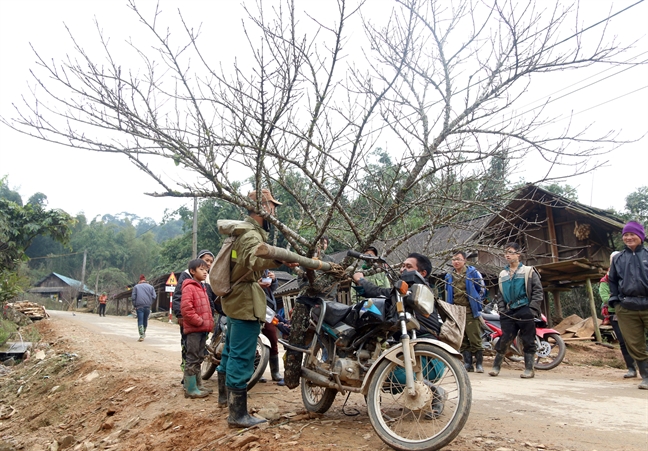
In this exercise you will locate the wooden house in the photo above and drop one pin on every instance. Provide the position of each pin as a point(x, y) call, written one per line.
point(62, 288)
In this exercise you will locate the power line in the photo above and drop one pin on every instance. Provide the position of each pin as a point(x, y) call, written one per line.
point(608, 101)
point(55, 256)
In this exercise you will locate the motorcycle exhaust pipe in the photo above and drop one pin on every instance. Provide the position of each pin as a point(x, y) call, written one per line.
point(317, 378)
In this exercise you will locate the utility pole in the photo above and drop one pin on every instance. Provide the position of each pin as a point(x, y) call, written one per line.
point(85, 256)
point(194, 251)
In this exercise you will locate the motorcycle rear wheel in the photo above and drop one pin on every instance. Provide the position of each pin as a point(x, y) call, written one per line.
point(260, 363)
point(550, 351)
point(316, 398)
point(208, 366)
point(406, 423)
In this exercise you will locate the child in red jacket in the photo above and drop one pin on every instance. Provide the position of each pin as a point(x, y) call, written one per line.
point(198, 322)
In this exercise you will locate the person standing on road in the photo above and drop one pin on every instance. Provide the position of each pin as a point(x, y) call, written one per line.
point(208, 258)
point(628, 279)
point(609, 311)
point(143, 297)
point(464, 286)
point(198, 321)
point(245, 308)
point(102, 304)
point(519, 305)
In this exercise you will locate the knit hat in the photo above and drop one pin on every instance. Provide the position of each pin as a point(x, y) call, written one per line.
point(204, 252)
point(636, 228)
point(142, 277)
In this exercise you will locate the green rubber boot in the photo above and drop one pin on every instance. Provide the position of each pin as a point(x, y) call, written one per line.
point(191, 389)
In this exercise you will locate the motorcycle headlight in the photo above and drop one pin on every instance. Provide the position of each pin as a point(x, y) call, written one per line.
point(422, 299)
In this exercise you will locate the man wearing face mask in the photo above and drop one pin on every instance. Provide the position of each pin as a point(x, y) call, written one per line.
point(245, 308)
point(430, 325)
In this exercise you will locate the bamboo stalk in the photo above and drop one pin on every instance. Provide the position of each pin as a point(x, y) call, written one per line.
point(276, 253)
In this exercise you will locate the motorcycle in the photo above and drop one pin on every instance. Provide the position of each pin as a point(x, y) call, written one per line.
point(550, 347)
point(215, 349)
point(417, 390)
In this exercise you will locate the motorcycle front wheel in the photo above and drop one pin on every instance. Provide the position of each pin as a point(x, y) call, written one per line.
point(431, 419)
point(550, 351)
point(316, 398)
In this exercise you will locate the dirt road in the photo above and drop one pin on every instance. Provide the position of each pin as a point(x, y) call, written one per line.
point(117, 393)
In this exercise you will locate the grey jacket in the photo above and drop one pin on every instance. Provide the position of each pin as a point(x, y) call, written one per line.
point(143, 295)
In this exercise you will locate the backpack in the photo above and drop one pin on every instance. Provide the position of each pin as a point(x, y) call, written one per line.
point(220, 273)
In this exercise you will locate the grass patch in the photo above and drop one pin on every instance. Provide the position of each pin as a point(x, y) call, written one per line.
point(7, 328)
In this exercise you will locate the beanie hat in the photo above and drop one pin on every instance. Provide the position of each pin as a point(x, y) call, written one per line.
point(142, 277)
point(205, 252)
point(636, 228)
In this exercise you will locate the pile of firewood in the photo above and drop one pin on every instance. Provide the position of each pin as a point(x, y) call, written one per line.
point(32, 310)
point(576, 328)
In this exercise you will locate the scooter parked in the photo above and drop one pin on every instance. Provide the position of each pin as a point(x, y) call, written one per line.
point(550, 347)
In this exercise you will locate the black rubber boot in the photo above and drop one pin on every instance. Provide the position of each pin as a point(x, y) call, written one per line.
point(238, 413)
point(497, 364)
point(222, 390)
point(467, 356)
point(274, 370)
point(528, 373)
point(643, 370)
point(479, 362)
point(632, 371)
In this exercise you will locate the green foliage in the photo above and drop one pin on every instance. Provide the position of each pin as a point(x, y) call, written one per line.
point(175, 253)
point(637, 205)
point(7, 193)
point(110, 280)
point(6, 329)
point(19, 226)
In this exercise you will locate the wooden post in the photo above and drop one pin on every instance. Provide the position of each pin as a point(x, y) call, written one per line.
point(552, 234)
point(597, 331)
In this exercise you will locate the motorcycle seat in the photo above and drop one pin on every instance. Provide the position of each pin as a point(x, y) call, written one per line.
point(490, 316)
point(336, 312)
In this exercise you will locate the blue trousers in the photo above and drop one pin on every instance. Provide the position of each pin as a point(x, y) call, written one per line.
point(237, 360)
point(142, 317)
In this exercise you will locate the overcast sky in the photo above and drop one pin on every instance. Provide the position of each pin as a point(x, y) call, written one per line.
point(95, 183)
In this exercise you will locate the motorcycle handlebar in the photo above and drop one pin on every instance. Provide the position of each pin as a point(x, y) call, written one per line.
point(355, 254)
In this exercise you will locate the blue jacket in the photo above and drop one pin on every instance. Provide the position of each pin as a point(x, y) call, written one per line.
point(475, 289)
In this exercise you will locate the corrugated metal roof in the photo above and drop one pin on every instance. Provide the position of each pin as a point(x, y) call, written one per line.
point(67, 280)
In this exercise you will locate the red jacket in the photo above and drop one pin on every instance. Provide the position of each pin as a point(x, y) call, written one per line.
point(195, 308)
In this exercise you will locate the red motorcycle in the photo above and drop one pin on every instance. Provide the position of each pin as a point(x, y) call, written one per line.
point(550, 347)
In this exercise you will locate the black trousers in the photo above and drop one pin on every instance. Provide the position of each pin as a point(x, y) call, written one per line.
point(520, 320)
point(102, 309)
